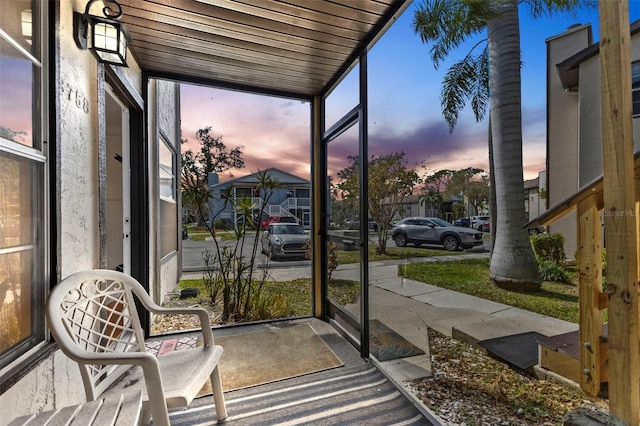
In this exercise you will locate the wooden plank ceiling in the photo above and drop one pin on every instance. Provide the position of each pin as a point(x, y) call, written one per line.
point(294, 48)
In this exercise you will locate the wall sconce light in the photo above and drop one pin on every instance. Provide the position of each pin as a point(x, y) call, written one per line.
point(27, 27)
point(109, 38)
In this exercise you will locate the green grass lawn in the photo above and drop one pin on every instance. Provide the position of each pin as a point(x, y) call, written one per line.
point(471, 276)
point(203, 235)
point(393, 253)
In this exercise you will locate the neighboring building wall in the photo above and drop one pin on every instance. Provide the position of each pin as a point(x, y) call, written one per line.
point(412, 206)
point(574, 145)
point(286, 199)
point(534, 189)
point(563, 129)
point(590, 116)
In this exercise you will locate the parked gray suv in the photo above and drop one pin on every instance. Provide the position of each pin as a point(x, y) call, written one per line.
point(433, 230)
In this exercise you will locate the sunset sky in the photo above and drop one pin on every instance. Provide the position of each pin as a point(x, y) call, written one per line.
point(404, 108)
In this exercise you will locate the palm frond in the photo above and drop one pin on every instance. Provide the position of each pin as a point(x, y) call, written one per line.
point(447, 24)
point(480, 88)
point(465, 80)
point(549, 8)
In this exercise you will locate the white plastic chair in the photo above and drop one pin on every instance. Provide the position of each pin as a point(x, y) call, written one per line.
point(93, 318)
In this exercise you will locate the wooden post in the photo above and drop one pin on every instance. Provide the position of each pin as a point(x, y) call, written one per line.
point(619, 212)
point(590, 284)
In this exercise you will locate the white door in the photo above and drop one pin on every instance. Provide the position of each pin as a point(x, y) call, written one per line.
point(118, 183)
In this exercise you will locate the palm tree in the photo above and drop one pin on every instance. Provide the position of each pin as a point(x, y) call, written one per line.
point(493, 76)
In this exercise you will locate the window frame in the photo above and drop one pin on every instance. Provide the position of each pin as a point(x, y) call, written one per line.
point(22, 357)
point(164, 141)
point(635, 105)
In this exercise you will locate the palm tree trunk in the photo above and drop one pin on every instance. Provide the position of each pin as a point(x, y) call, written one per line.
point(493, 207)
point(513, 265)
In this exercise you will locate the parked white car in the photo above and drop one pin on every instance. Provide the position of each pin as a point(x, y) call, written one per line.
point(284, 240)
point(478, 222)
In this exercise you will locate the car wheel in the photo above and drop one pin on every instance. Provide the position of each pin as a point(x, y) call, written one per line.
point(480, 228)
point(400, 240)
point(450, 243)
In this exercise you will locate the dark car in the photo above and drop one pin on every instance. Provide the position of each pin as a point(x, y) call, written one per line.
point(463, 221)
point(284, 240)
point(433, 230)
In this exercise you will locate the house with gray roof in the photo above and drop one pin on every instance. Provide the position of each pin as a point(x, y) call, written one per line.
point(291, 197)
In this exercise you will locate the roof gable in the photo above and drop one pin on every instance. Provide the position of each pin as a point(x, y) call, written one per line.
point(284, 178)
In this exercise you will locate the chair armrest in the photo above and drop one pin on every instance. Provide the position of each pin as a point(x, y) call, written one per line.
point(151, 306)
point(110, 358)
point(203, 315)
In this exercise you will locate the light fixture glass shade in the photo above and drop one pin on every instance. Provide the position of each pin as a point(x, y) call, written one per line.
point(108, 41)
point(27, 24)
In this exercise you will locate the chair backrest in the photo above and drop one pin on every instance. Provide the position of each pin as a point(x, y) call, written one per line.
point(94, 312)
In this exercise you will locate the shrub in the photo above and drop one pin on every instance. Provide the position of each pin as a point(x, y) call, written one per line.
point(221, 224)
point(551, 271)
point(604, 267)
point(549, 247)
point(332, 256)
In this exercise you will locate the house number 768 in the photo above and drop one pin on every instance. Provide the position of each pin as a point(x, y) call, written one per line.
point(76, 96)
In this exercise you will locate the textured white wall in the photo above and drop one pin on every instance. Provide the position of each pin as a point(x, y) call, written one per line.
point(55, 382)
point(167, 121)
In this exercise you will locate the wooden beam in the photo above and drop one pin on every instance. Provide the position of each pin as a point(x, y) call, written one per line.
point(619, 211)
point(590, 286)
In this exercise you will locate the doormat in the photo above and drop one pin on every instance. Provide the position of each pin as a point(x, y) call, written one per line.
point(517, 350)
point(260, 357)
point(385, 344)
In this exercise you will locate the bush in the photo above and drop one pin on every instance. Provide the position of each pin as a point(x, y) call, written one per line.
point(221, 224)
point(549, 248)
point(332, 256)
point(604, 267)
point(551, 271)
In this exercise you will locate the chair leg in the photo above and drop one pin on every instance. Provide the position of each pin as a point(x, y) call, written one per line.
point(145, 416)
point(218, 395)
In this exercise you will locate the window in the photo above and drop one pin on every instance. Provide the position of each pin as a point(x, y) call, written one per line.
point(168, 233)
point(23, 184)
point(635, 87)
point(244, 192)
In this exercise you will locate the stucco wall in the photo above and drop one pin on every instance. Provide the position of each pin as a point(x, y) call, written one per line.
point(563, 129)
point(168, 98)
point(77, 151)
point(55, 382)
point(164, 114)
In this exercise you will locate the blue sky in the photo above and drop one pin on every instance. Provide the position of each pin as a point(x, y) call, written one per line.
point(404, 101)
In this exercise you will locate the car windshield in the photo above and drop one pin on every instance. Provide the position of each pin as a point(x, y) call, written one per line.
point(287, 229)
point(439, 222)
